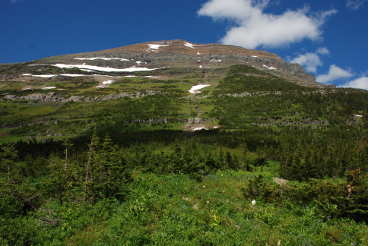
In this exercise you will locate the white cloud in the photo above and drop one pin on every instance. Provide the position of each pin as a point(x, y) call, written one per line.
point(360, 83)
point(255, 28)
point(311, 61)
point(355, 4)
point(333, 74)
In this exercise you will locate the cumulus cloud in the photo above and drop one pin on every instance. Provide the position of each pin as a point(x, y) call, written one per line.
point(254, 28)
point(360, 83)
point(355, 4)
point(334, 74)
point(311, 60)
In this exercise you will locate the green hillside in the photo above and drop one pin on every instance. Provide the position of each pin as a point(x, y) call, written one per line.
point(275, 163)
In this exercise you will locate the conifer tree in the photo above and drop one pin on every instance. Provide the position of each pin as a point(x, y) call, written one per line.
point(89, 167)
point(8, 165)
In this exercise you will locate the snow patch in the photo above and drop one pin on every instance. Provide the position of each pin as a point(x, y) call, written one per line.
point(63, 74)
point(156, 46)
point(100, 58)
point(44, 75)
point(255, 56)
point(105, 69)
point(189, 45)
point(196, 89)
point(198, 53)
point(48, 88)
point(269, 68)
point(199, 129)
point(87, 70)
point(108, 82)
point(216, 60)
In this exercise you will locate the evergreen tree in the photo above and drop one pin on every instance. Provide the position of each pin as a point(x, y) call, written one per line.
point(8, 164)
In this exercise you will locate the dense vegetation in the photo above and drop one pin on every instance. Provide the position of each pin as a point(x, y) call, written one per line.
point(288, 167)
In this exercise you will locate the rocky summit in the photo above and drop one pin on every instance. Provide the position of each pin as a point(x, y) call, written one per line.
point(158, 55)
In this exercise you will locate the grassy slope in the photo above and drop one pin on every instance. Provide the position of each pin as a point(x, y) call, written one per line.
point(177, 210)
point(265, 100)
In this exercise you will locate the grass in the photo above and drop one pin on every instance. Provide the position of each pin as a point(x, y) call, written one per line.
point(73, 118)
point(176, 210)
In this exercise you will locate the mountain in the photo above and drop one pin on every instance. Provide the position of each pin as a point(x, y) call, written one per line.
point(173, 54)
point(193, 87)
point(174, 143)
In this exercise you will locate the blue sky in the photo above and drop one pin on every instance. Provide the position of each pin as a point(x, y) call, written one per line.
point(329, 38)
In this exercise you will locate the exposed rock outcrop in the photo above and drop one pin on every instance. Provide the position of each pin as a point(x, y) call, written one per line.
point(53, 97)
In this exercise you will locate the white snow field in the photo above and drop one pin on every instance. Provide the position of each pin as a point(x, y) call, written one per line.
point(108, 82)
point(216, 60)
point(105, 84)
point(100, 58)
point(269, 68)
point(200, 129)
point(189, 45)
point(54, 75)
point(156, 46)
point(49, 88)
point(40, 75)
point(105, 69)
point(196, 89)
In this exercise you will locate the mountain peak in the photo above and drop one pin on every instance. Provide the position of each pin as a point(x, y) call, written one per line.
point(183, 53)
point(172, 54)
point(188, 47)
